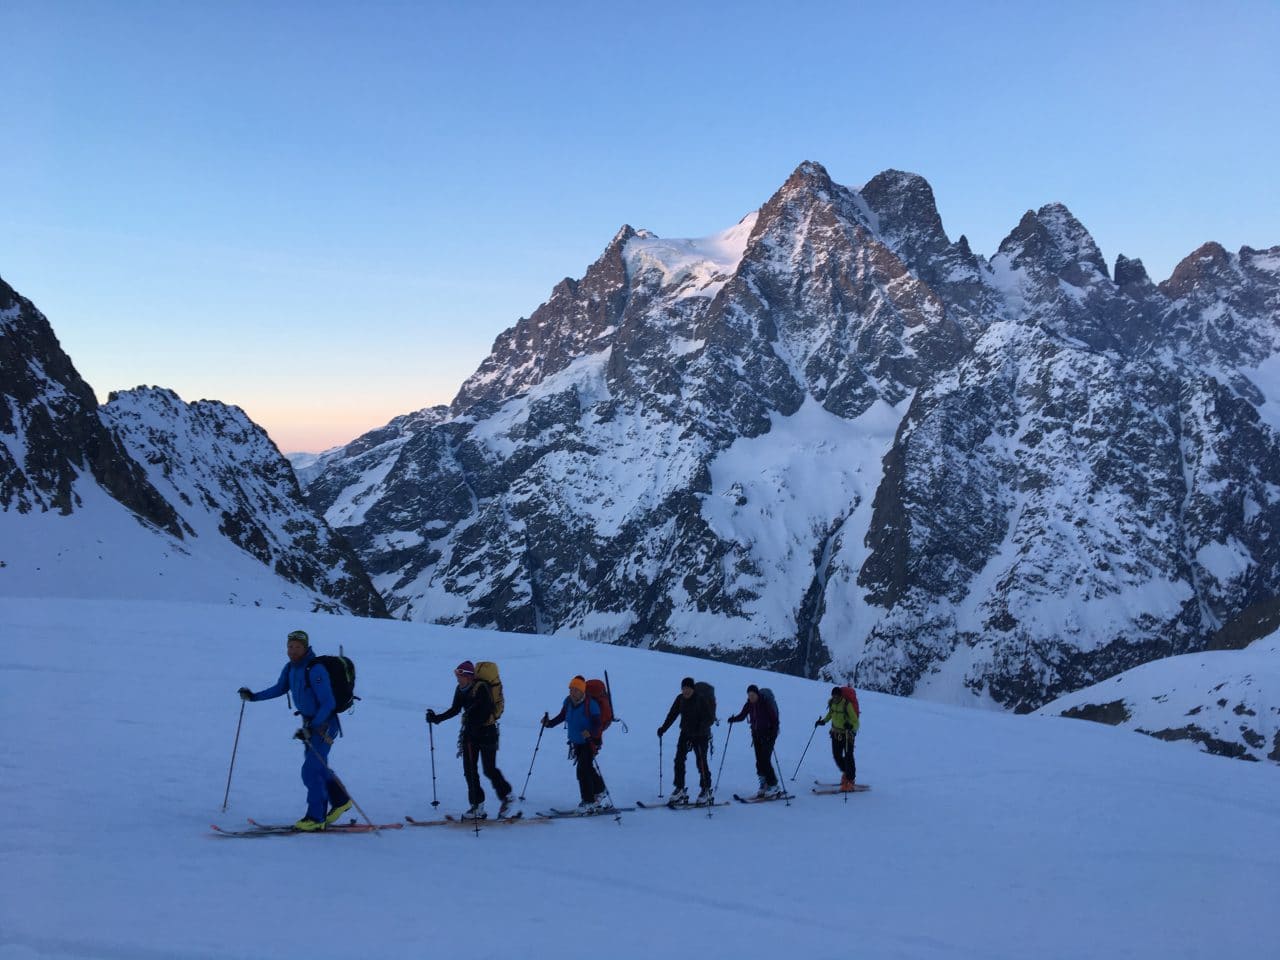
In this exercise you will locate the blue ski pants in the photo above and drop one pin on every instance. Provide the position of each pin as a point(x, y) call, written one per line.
point(322, 789)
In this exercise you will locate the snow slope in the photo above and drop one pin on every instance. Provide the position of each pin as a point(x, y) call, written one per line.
point(986, 835)
point(1226, 702)
point(103, 551)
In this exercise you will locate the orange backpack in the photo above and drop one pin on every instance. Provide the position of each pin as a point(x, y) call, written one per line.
point(597, 691)
point(851, 695)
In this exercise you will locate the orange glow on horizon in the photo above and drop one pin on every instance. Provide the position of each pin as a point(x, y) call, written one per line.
point(315, 429)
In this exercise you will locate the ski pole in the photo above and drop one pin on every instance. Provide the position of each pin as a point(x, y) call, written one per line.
point(234, 747)
point(724, 752)
point(786, 794)
point(541, 730)
point(806, 750)
point(659, 768)
point(338, 781)
point(595, 765)
point(431, 738)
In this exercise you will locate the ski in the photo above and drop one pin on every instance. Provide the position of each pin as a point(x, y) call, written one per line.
point(464, 821)
point(287, 830)
point(554, 814)
point(780, 796)
point(857, 787)
point(680, 806)
point(411, 821)
point(834, 791)
point(351, 826)
point(252, 832)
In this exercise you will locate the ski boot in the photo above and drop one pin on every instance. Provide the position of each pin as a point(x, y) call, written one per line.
point(475, 812)
point(337, 812)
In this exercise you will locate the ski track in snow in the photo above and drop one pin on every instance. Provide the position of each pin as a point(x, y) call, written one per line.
point(987, 835)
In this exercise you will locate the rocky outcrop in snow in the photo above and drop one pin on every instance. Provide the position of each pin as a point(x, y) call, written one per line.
point(1227, 703)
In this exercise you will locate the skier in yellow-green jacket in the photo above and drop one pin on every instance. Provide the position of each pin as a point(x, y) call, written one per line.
point(844, 716)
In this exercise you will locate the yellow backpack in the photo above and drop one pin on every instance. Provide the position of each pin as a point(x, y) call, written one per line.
point(487, 673)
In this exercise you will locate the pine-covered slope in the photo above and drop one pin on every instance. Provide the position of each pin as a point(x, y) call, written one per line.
point(830, 440)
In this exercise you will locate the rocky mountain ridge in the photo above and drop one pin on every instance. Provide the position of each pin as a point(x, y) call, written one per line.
point(830, 440)
point(217, 508)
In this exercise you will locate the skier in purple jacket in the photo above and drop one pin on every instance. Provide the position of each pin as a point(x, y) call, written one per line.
point(761, 713)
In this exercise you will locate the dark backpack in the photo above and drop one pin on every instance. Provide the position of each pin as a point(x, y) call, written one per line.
point(708, 693)
point(342, 680)
point(767, 696)
point(597, 691)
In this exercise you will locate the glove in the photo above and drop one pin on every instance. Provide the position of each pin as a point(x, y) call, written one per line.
point(660, 733)
point(546, 719)
point(431, 716)
point(245, 693)
point(731, 721)
point(820, 722)
point(303, 734)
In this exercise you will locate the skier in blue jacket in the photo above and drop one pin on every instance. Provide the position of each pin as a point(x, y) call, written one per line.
point(581, 717)
point(313, 698)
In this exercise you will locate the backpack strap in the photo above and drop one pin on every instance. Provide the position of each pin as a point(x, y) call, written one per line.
point(478, 683)
point(306, 679)
point(306, 673)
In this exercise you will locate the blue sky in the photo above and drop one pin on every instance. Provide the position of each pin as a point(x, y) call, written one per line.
point(325, 212)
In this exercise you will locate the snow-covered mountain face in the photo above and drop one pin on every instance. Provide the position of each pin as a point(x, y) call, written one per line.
point(50, 432)
point(1222, 702)
point(150, 497)
point(832, 441)
point(227, 479)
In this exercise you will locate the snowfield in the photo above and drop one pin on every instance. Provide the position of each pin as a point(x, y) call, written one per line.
point(985, 834)
point(1224, 699)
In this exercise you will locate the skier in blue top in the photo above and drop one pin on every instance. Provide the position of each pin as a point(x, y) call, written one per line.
point(313, 698)
point(581, 717)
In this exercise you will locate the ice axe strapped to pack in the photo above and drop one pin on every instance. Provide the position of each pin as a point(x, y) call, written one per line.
point(602, 693)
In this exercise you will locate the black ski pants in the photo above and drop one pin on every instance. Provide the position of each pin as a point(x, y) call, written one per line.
point(763, 744)
point(590, 783)
point(700, 747)
point(842, 752)
point(481, 749)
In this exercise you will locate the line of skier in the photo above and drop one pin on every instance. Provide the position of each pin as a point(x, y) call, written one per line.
point(319, 695)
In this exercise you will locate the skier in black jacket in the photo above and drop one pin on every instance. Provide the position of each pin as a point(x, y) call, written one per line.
point(696, 716)
point(478, 739)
